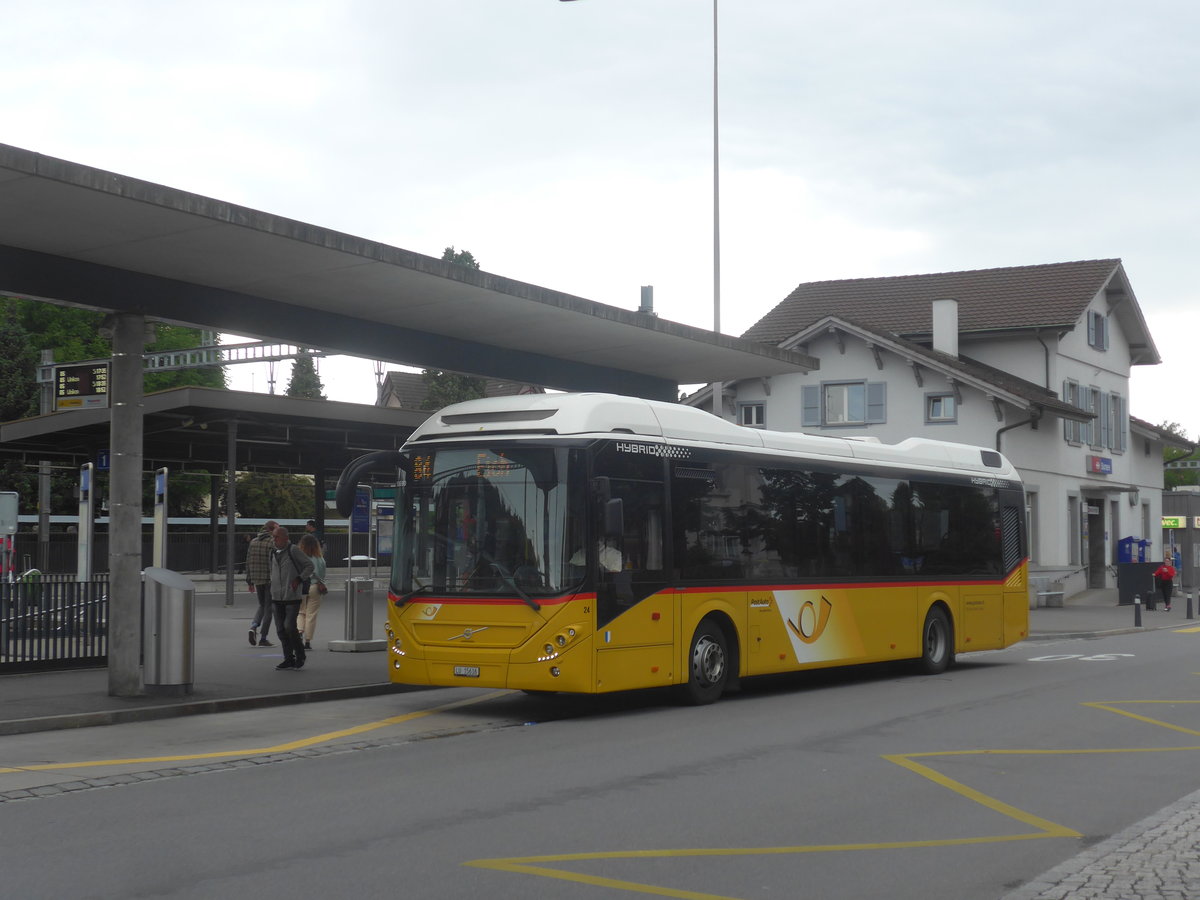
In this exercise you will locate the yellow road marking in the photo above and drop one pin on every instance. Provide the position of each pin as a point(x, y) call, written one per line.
point(1044, 827)
point(1192, 630)
point(258, 751)
point(1110, 706)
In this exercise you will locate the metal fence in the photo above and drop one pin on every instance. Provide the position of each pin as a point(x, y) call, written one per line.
point(53, 622)
point(187, 552)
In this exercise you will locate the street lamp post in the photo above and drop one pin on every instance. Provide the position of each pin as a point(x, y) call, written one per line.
point(717, 387)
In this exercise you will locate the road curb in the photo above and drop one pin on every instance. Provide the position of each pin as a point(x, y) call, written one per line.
point(194, 708)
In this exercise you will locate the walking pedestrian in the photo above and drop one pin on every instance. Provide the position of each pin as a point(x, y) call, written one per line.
point(258, 578)
point(1164, 577)
point(310, 527)
point(306, 621)
point(291, 571)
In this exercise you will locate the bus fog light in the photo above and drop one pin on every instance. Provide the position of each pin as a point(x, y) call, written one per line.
point(554, 671)
point(395, 663)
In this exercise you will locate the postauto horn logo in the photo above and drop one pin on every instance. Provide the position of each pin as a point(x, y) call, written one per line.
point(820, 625)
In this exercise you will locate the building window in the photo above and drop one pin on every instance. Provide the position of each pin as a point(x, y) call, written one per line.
point(1097, 331)
point(752, 415)
point(940, 408)
point(844, 403)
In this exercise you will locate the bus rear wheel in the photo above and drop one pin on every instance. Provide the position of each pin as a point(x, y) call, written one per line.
point(708, 664)
point(937, 643)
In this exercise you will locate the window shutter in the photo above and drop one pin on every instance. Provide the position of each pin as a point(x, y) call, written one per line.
point(1105, 422)
point(1069, 397)
point(810, 405)
point(876, 402)
point(1091, 320)
point(1118, 423)
point(1087, 398)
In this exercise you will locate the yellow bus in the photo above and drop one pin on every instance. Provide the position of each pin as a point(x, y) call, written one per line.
point(592, 543)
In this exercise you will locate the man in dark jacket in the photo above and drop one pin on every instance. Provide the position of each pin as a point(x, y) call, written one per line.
point(291, 571)
point(258, 578)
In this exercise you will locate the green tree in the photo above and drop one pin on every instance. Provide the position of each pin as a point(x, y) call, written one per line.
point(460, 257)
point(1173, 478)
point(18, 367)
point(180, 337)
point(441, 387)
point(305, 381)
point(27, 327)
point(274, 495)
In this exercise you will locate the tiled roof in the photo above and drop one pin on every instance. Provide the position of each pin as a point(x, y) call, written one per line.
point(407, 389)
point(1045, 296)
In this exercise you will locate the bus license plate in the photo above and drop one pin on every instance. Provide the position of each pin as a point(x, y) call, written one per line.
point(467, 671)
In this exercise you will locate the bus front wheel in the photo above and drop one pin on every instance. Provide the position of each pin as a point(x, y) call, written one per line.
point(708, 664)
point(937, 642)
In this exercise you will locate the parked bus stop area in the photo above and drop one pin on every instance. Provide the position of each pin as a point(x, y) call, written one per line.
point(231, 675)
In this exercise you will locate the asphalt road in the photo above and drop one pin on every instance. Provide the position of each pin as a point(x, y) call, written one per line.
point(858, 784)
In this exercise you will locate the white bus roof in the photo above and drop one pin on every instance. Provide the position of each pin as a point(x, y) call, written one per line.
point(609, 415)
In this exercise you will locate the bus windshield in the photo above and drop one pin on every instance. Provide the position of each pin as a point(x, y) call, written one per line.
point(494, 521)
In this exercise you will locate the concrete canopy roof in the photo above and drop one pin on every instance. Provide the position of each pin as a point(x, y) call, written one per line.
point(78, 235)
point(187, 429)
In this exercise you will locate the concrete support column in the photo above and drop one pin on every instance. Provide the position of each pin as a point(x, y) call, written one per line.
point(319, 498)
point(230, 510)
point(125, 507)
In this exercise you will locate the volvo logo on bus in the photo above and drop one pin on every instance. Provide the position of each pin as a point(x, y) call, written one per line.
point(468, 633)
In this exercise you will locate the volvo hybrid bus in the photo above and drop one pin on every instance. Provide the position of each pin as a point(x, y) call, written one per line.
point(592, 543)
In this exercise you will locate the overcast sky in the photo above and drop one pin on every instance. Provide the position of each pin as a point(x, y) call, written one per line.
point(570, 144)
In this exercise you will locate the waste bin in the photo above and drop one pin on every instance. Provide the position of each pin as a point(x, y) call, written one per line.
point(168, 632)
point(360, 610)
point(360, 607)
point(1136, 579)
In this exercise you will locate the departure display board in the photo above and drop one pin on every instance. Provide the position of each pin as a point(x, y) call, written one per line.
point(81, 387)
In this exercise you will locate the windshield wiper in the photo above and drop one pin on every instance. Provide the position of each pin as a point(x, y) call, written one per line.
point(509, 581)
point(408, 595)
point(512, 584)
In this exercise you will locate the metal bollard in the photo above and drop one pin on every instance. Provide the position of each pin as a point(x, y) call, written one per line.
point(1189, 604)
point(1137, 610)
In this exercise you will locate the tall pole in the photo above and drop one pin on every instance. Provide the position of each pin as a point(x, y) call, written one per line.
point(717, 386)
point(125, 507)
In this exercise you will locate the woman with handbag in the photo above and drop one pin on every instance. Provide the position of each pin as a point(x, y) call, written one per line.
point(306, 622)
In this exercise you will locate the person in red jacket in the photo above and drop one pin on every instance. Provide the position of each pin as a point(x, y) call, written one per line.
point(1164, 577)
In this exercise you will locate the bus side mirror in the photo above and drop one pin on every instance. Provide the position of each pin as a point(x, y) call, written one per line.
point(348, 481)
point(614, 519)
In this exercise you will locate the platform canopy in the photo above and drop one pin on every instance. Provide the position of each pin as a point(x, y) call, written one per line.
point(189, 429)
point(77, 235)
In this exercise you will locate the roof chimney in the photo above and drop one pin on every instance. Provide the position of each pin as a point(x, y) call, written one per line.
point(945, 326)
point(647, 306)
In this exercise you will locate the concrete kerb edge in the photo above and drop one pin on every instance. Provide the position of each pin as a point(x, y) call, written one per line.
point(193, 708)
point(1050, 882)
point(1057, 635)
